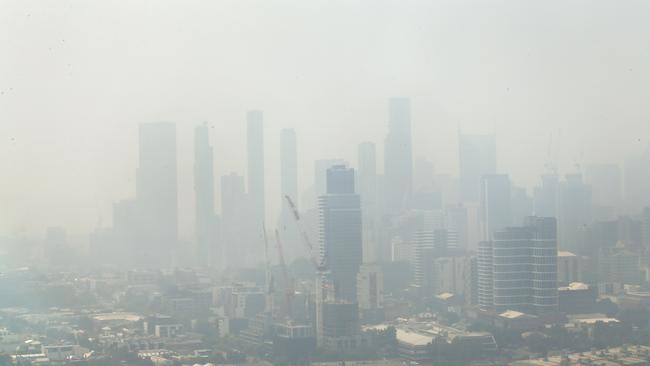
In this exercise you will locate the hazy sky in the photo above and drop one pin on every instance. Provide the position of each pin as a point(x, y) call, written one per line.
point(78, 76)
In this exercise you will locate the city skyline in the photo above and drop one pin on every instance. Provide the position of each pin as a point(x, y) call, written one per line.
point(451, 89)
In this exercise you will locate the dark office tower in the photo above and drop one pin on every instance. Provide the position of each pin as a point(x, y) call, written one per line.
point(204, 193)
point(255, 135)
point(574, 211)
point(546, 196)
point(367, 188)
point(288, 164)
point(320, 173)
point(605, 181)
point(156, 195)
point(477, 157)
point(398, 159)
point(341, 227)
point(496, 213)
point(233, 218)
point(518, 268)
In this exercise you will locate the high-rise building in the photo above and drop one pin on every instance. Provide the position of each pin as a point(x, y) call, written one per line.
point(156, 195)
point(256, 197)
point(341, 231)
point(546, 195)
point(518, 268)
point(370, 289)
point(496, 213)
point(255, 144)
point(453, 275)
point(618, 265)
point(477, 158)
point(574, 211)
point(367, 188)
point(456, 220)
point(427, 247)
point(320, 173)
point(605, 182)
point(398, 155)
point(521, 205)
point(568, 268)
point(206, 221)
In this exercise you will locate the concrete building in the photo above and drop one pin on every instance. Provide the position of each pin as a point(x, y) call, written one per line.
point(367, 188)
point(341, 231)
point(370, 289)
point(568, 268)
point(518, 269)
point(256, 183)
point(339, 327)
point(618, 265)
point(621, 356)
point(605, 181)
point(545, 196)
point(398, 155)
point(496, 212)
point(477, 158)
point(206, 220)
point(574, 211)
point(233, 217)
point(577, 298)
point(156, 195)
point(453, 275)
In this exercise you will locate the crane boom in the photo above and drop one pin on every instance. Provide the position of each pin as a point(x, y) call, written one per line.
point(318, 265)
point(268, 276)
point(290, 292)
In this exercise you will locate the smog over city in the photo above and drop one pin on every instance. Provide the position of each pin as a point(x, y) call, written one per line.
point(327, 183)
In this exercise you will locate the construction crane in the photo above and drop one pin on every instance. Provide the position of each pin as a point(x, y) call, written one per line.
point(270, 286)
point(289, 292)
point(320, 266)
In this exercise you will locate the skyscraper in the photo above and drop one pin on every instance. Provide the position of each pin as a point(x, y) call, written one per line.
point(367, 188)
point(495, 204)
point(341, 233)
point(605, 181)
point(398, 155)
point(320, 173)
point(477, 157)
point(574, 210)
point(518, 268)
point(546, 196)
point(204, 193)
point(255, 144)
point(156, 195)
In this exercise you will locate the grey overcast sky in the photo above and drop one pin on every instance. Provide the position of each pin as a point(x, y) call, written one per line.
point(76, 78)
